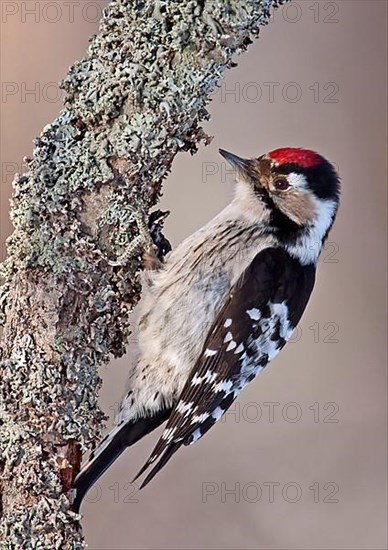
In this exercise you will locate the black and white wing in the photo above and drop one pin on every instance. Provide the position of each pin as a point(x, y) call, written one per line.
point(259, 316)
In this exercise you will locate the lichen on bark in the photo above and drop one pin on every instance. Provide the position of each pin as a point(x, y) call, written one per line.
point(71, 277)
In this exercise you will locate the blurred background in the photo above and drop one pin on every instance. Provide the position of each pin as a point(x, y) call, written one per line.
point(300, 461)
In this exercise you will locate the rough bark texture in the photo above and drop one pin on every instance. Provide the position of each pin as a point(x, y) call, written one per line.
point(71, 278)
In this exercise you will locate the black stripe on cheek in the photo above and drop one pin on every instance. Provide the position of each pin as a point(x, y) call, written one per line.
point(287, 228)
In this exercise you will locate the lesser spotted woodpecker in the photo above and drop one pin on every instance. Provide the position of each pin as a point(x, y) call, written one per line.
point(222, 305)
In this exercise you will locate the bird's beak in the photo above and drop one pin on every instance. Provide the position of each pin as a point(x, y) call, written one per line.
point(244, 167)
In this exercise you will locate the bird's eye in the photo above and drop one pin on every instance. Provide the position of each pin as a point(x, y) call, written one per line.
point(281, 184)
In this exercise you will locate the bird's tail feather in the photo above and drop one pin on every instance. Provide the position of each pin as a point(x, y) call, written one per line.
point(111, 448)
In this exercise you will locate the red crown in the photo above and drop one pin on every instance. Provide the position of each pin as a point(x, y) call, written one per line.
point(302, 157)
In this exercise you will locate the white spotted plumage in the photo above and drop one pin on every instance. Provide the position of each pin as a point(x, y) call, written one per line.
point(223, 304)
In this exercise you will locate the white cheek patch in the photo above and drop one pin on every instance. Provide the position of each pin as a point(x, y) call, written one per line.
point(297, 180)
point(308, 247)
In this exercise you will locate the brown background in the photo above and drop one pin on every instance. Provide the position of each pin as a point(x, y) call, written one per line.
point(245, 453)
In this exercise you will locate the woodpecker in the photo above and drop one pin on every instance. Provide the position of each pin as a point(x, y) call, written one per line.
point(222, 305)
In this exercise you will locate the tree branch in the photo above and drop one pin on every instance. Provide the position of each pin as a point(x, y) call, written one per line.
point(71, 277)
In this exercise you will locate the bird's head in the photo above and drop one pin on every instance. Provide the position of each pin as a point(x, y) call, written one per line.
point(297, 188)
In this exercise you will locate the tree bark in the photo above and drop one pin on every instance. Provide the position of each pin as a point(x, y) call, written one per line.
point(71, 277)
